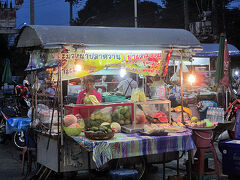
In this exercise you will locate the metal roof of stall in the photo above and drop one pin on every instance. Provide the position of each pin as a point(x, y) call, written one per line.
point(155, 38)
point(211, 50)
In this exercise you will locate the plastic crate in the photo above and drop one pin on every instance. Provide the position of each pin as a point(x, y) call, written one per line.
point(231, 157)
point(115, 98)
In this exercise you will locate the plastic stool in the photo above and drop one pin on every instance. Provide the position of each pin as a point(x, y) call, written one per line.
point(120, 174)
point(200, 167)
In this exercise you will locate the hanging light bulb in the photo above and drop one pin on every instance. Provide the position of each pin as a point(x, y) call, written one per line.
point(78, 67)
point(123, 72)
point(191, 78)
point(236, 72)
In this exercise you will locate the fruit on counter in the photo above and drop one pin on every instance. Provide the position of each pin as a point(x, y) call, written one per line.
point(142, 96)
point(174, 124)
point(161, 116)
point(116, 126)
point(177, 124)
point(100, 130)
point(105, 124)
point(121, 115)
point(75, 125)
point(185, 109)
point(180, 124)
point(94, 99)
point(99, 115)
point(138, 96)
point(153, 128)
point(194, 119)
point(87, 100)
point(208, 123)
point(202, 124)
point(140, 118)
point(69, 120)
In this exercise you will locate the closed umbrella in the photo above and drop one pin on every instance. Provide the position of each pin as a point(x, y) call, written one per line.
point(7, 74)
point(220, 60)
point(226, 80)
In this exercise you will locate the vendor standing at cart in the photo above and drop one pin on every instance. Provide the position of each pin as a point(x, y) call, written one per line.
point(88, 84)
point(127, 85)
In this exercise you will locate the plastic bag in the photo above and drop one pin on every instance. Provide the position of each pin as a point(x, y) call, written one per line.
point(138, 95)
point(140, 116)
point(98, 117)
point(122, 115)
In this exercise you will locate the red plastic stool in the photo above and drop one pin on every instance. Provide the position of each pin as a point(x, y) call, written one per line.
point(201, 167)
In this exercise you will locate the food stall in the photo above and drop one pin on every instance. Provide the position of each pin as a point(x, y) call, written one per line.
point(71, 52)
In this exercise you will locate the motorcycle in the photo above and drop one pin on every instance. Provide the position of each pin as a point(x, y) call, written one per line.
point(16, 108)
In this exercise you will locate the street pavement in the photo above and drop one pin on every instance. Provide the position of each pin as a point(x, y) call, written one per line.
point(10, 167)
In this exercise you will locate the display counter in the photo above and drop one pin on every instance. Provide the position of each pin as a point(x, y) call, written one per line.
point(124, 145)
point(152, 111)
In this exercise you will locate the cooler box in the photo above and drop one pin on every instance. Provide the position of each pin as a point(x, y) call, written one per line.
point(231, 157)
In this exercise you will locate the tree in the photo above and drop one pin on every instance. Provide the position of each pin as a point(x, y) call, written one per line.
point(118, 13)
point(121, 13)
point(232, 21)
point(173, 14)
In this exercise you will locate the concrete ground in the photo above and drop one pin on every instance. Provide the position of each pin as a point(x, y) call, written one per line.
point(10, 167)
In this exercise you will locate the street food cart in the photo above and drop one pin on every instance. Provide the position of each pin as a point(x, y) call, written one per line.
point(62, 49)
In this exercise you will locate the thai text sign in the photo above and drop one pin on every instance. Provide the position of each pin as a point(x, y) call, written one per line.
point(92, 61)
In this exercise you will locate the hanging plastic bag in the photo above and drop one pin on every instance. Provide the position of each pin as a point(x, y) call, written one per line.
point(138, 95)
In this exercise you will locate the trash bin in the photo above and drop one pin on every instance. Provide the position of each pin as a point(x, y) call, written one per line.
point(230, 157)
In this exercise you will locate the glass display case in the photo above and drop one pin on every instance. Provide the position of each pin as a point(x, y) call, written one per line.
point(126, 114)
point(152, 111)
point(95, 115)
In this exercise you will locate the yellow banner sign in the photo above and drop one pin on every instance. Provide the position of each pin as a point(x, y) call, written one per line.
point(81, 62)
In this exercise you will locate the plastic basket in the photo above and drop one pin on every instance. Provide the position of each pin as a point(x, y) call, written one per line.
point(202, 138)
point(115, 98)
point(73, 131)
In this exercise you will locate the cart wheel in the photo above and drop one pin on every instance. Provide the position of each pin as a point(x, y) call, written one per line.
point(19, 140)
point(137, 163)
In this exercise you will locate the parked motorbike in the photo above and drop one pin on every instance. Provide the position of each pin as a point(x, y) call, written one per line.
point(18, 107)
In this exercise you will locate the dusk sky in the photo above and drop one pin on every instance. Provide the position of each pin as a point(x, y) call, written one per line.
point(55, 12)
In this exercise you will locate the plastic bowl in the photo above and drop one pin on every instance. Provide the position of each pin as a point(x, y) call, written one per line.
point(73, 131)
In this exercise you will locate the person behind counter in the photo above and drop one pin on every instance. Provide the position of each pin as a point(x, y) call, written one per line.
point(127, 85)
point(88, 84)
point(50, 91)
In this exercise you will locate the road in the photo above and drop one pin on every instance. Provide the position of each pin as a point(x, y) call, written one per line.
point(10, 167)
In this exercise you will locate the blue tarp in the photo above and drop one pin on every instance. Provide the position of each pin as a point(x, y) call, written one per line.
point(211, 50)
point(16, 124)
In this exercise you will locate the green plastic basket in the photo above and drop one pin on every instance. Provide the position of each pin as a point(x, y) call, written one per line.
point(115, 98)
point(73, 131)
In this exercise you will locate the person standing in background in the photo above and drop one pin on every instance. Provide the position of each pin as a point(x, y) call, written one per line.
point(89, 90)
point(26, 82)
point(149, 87)
point(127, 85)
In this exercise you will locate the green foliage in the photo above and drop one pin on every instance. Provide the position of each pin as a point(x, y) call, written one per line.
point(118, 13)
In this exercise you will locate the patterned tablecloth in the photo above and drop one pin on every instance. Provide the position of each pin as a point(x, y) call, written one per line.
point(129, 145)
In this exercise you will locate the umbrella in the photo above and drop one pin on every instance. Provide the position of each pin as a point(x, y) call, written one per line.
point(225, 80)
point(7, 74)
point(220, 60)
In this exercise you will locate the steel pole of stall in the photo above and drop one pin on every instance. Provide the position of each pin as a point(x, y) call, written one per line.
point(58, 131)
point(135, 14)
point(61, 103)
point(181, 81)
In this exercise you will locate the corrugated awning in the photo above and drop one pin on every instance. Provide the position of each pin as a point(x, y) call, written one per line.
point(115, 37)
point(211, 50)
